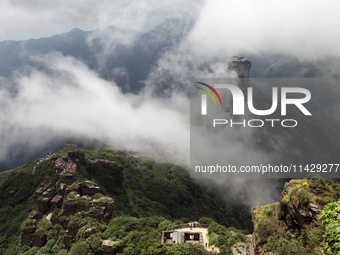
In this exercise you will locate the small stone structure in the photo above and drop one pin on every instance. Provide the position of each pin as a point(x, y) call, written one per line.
point(178, 237)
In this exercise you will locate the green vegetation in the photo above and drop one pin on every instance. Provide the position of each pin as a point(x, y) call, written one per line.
point(330, 217)
point(225, 238)
point(293, 226)
point(144, 205)
point(136, 236)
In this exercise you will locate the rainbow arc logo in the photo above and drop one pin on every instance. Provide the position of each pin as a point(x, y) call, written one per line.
point(208, 92)
point(204, 97)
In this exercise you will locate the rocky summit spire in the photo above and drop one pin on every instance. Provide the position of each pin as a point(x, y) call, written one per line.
point(242, 67)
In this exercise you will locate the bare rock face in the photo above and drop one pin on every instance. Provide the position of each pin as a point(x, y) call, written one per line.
point(238, 251)
point(44, 194)
point(89, 188)
point(107, 247)
point(36, 216)
point(38, 241)
point(78, 157)
point(27, 230)
point(97, 213)
point(56, 202)
point(63, 202)
point(252, 247)
point(25, 239)
point(75, 187)
point(62, 189)
point(302, 216)
point(314, 209)
point(242, 67)
point(43, 204)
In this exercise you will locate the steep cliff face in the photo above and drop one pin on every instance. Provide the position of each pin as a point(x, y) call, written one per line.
point(64, 204)
point(292, 225)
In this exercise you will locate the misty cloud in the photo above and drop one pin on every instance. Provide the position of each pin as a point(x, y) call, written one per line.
point(69, 100)
point(74, 101)
point(304, 28)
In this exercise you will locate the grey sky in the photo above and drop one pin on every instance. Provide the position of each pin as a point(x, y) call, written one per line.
point(224, 28)
point(304, 27)
point(21, 19)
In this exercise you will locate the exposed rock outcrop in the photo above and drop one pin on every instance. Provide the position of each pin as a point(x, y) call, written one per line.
point(281, 226)
point(56, 202)
point(78, 157)
point(107, 247)
point(301, 215)
point(38, 241)
point(27, 230)
point(80, 199)
point(242, 67)
point(89, 188)
point(314, 209)
point(36, 216)
point(44, 194)
point(238, 251)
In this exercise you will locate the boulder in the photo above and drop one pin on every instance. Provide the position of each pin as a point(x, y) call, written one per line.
point(62, 189)
point(88, 232)
point(107, 246)
point(25, 239)
point(43, 204)
point(56, 202)
point(300, 216)
point(55, 220)
point(97, 213)
point(36, 215)
point(38, 241)
point(29, 226)
point(89, 188)
point(314, 209)
point(46, 185)
point(74, 187)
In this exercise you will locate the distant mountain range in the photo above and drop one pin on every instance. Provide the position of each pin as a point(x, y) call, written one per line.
point(136, 59)
point(129, 64)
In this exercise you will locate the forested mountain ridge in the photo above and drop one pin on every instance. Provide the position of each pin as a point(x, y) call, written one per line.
point(46, 205)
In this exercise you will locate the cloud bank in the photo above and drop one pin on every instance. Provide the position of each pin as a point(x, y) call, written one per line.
point(305, 28)
point(70, 100)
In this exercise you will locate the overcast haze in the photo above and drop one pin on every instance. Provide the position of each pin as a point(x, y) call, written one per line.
point(70, 100)
point(21, 20)
point(222, 26)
